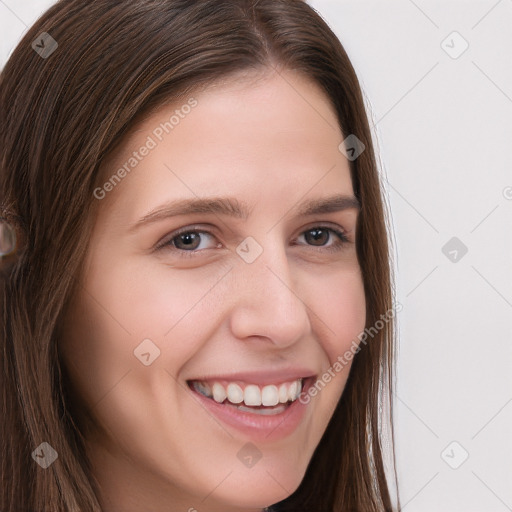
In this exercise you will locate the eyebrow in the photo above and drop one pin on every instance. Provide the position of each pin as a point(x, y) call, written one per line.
point(232, 207)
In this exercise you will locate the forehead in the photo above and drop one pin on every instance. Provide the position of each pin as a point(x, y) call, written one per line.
point(268, 133)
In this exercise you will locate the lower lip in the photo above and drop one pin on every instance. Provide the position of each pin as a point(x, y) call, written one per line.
point(257, 426)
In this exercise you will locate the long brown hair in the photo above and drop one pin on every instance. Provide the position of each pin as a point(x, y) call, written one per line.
point(63, 109)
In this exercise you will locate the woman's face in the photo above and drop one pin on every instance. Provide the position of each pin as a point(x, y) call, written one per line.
point(256, 291)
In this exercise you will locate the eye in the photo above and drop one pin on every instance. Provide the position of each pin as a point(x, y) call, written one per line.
point(320, 236)
point(188, 242)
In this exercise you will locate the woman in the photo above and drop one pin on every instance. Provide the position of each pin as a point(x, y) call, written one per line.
point(197, 312)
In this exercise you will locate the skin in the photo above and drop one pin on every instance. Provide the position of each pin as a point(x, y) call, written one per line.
point(271, 141)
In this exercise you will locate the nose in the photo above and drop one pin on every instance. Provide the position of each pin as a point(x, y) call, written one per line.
point(266, 299)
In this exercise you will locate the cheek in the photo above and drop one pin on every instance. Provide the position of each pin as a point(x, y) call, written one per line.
point(339, 305)
point(121, 305)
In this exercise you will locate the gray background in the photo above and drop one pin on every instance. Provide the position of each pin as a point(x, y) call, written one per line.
point(442, 122)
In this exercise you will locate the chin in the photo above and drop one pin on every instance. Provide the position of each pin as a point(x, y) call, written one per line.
point(260, 488)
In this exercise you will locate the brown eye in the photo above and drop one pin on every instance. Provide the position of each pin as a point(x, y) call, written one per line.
point(318, 236)
point(321, 236)
point(187, 241)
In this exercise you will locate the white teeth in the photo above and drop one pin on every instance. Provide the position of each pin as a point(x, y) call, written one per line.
point(235, 393)
point(283, 393)
point(219, 393)
point(252, 395)
point(269, 395)
point(292, 390)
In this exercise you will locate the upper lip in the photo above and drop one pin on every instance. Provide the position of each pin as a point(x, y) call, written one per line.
point(262, 377)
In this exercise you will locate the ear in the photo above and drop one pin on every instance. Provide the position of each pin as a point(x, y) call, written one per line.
point(7, 238)
point(11, 237)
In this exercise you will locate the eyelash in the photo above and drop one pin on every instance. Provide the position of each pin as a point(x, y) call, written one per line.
point(168, 243)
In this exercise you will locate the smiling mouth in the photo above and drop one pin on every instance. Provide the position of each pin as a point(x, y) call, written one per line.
point(267, 400)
